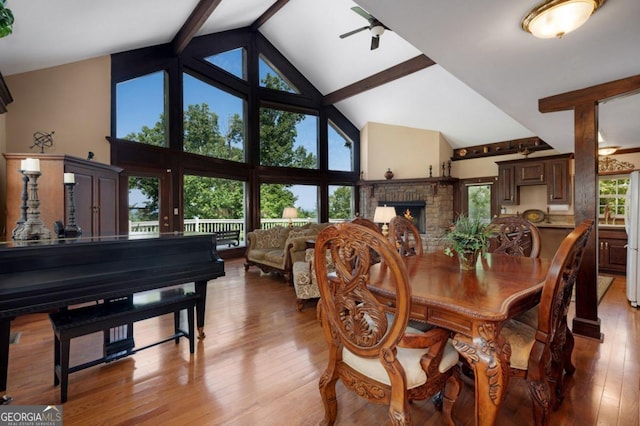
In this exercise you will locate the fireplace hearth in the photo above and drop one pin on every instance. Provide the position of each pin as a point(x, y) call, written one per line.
point(415, 208)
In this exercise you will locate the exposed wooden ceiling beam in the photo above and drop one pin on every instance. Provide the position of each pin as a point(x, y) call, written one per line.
point(268, 14)
point(398, 71)
point(600, 92)
point(196, 20)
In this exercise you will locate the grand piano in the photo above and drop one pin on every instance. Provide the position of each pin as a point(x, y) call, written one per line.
point(37, 276)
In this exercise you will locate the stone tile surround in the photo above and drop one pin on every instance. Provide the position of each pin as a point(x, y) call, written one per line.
point(437, 196)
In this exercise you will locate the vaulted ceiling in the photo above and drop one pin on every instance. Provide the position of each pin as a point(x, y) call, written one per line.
point(484, 86)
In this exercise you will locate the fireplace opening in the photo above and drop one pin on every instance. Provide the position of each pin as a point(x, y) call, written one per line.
point(415, 209)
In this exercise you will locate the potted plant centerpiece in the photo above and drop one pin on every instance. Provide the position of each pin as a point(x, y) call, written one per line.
point(467, 237)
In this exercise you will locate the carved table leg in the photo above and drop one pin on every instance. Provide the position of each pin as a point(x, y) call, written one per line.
point(488, 354)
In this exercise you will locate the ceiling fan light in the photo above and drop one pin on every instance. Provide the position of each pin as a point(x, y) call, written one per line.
point(555, 18)
point(377, 30)
point(607, 150)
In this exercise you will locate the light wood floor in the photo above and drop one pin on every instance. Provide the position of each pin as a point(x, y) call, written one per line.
point(260, 364)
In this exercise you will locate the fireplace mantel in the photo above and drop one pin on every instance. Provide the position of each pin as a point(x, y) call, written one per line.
point(433, 181)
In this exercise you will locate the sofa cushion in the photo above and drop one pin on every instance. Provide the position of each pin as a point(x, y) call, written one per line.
point(274, 256)
point(266, 238)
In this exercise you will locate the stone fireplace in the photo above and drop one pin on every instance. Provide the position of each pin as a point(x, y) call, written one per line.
point(429, 200)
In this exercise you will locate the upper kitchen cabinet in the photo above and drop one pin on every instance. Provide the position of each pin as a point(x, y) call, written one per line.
point(508, 195)
point(553, 171)
point(530, 173)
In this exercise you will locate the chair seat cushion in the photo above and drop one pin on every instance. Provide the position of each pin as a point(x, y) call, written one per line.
point(521, 338)
point(408, 357)
point(529, 317)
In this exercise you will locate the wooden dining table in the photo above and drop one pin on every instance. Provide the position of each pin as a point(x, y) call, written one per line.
point(473, 305)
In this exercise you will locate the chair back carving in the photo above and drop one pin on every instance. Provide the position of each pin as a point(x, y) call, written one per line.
point(515, 236)
point(352, 311)
point(404, 234)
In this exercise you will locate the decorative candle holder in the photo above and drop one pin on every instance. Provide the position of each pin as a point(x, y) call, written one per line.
point(71, 230)
point(23, 206)
point(32, 228)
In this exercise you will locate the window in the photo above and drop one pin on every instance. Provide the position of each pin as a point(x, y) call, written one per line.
point(214, 122)
point(232, 61)
point(613, 192)
point(288, 139)
point(213, 205)
point(144, 205)
point(141, 109)
point(340, 203)
point(272, 78)
point(479, 201)
point(274, 198)
point(340, 150)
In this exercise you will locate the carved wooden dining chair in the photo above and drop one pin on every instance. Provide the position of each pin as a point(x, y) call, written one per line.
point(515, 236)
point(372, 352)
point(542, 354)
point(405, 236)
point(359, 220)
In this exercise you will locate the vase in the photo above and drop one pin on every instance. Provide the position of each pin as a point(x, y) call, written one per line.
point(388, 174)
point(468, 260)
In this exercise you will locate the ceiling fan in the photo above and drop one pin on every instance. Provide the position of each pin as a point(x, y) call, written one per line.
point(375, 27)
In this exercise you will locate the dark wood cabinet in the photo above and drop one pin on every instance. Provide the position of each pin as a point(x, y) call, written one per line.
point(612, 251)
point(558, 181)
point(553, 171)
point(508, 193)
point(531, 173)
point(95, 193)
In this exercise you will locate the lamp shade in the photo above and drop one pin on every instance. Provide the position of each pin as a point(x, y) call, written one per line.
point(384, 214)
point(555, 18)
point(289, 213)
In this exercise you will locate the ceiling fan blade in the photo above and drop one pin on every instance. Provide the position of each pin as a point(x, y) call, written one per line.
point(360, 11)
point(375, 42)
point(353, 32)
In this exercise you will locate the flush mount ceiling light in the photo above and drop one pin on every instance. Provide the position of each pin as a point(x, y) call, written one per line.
point(555, 18)
point(604, 148)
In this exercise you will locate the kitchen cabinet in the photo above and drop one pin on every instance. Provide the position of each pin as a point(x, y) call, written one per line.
point(558, 181)
point(612, 251)
point(530, 173)
point(552, 171)
point(508, 194)
point(95, 193)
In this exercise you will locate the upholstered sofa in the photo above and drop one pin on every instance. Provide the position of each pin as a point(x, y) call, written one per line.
point(277, 249)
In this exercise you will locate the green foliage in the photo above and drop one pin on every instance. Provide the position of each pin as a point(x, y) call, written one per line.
point(213, 198)
point(340, 203)
point(6, 20)
point(467, 235)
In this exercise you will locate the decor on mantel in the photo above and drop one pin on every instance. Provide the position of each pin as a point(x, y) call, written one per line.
point(71, 230)
point(32, 228)
point(555, 18)
point(24, 197)
point(388, 174)
point(467, 237)
point(611, 165)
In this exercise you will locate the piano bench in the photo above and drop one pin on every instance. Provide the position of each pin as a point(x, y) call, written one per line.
point(70, 323)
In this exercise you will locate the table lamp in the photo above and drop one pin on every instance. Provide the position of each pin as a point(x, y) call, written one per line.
point(290, 213)
point(383, 215)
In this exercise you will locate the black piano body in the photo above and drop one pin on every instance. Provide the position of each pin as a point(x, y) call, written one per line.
point(45, 275)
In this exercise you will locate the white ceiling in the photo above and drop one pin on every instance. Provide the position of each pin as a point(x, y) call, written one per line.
point(484, 88)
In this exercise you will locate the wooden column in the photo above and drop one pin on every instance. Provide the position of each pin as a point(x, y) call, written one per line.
point(584, 102)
